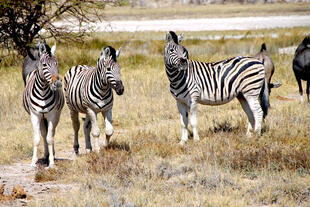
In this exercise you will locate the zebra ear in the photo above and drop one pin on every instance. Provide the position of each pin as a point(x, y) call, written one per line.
point(118, 52)
point(107, 51)
point(180, 37)
point(53, 50)
point(42, 49)
point(102, 55)
point(169, 38)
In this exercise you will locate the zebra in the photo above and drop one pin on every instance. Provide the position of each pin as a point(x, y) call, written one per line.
point(43, 99)
point(217, 83)
point(89, 90)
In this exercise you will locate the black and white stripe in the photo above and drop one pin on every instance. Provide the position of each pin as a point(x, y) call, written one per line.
point(89, 90)
point(40, 93)
point(217, 83)
point(43, 99)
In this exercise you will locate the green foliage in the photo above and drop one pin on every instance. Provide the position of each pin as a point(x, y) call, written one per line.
point(21, 21)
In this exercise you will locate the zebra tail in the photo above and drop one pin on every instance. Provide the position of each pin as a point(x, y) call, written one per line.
point(264, 98)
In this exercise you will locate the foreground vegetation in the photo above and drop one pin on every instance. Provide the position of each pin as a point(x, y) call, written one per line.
point(144, 165)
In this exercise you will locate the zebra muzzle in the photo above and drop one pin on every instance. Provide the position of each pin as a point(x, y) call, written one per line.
point(183, 64)
point(119, 88)
point(56, 82)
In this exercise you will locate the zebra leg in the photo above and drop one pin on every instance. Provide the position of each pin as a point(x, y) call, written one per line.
point(53, 120)
point(246, 108)
point(95, 131)
point(87, 128)
point(43, 128)
point(193, 120)
point(108, 127)
point(35, 120)
point(184, 121)
point(76, 127)
point(300, 88)
point(257, 112)
point(308, 88)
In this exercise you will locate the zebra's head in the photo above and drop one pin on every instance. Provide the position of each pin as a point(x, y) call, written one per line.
point(175, 55)
point(107, 62)
point(48, 66)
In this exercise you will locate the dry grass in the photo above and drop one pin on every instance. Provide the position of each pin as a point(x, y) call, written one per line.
point(144, 165)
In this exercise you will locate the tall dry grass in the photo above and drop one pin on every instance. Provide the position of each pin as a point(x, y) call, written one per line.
point(144, 165)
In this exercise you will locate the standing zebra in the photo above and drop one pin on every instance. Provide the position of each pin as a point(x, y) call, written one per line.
point(193, 82)
point(43, 99)
point(89, 90)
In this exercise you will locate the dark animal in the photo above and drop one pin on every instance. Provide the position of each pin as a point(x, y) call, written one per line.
point(31, 60)
point(264, 56)
point(301, 65)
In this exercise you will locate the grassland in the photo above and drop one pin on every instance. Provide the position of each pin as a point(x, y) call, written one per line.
point(144, 165)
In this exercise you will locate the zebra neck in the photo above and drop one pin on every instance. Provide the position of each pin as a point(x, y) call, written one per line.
point(175, 76)
point(99, 81)
point(41, 82)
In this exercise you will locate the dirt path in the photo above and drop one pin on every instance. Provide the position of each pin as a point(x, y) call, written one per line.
point(23, 174)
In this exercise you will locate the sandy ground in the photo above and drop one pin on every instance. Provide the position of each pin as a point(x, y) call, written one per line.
point(23, 174)
point(211, 24)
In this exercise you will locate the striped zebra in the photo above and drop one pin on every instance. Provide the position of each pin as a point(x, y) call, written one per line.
point(43, 99)
point(193, 82)
point(89, 90)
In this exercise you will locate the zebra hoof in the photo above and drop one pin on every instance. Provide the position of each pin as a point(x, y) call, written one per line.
point(97, 150)
point(76, 151)
point(33, 166)
point(196, 139)
point(106, 141)
point(182, 143)
point(53, 166)
point(109, 132)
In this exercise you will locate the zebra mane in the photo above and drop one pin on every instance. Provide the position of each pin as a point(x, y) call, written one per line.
point(174, 37)
point(306, 41)
point(32, 52)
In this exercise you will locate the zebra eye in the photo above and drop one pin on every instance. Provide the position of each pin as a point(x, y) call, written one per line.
point(108, 69)
point(171, 50)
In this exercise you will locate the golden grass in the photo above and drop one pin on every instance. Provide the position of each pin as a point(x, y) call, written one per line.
point(144, 165)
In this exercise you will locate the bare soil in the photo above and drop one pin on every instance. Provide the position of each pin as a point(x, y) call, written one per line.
point(23, 175)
